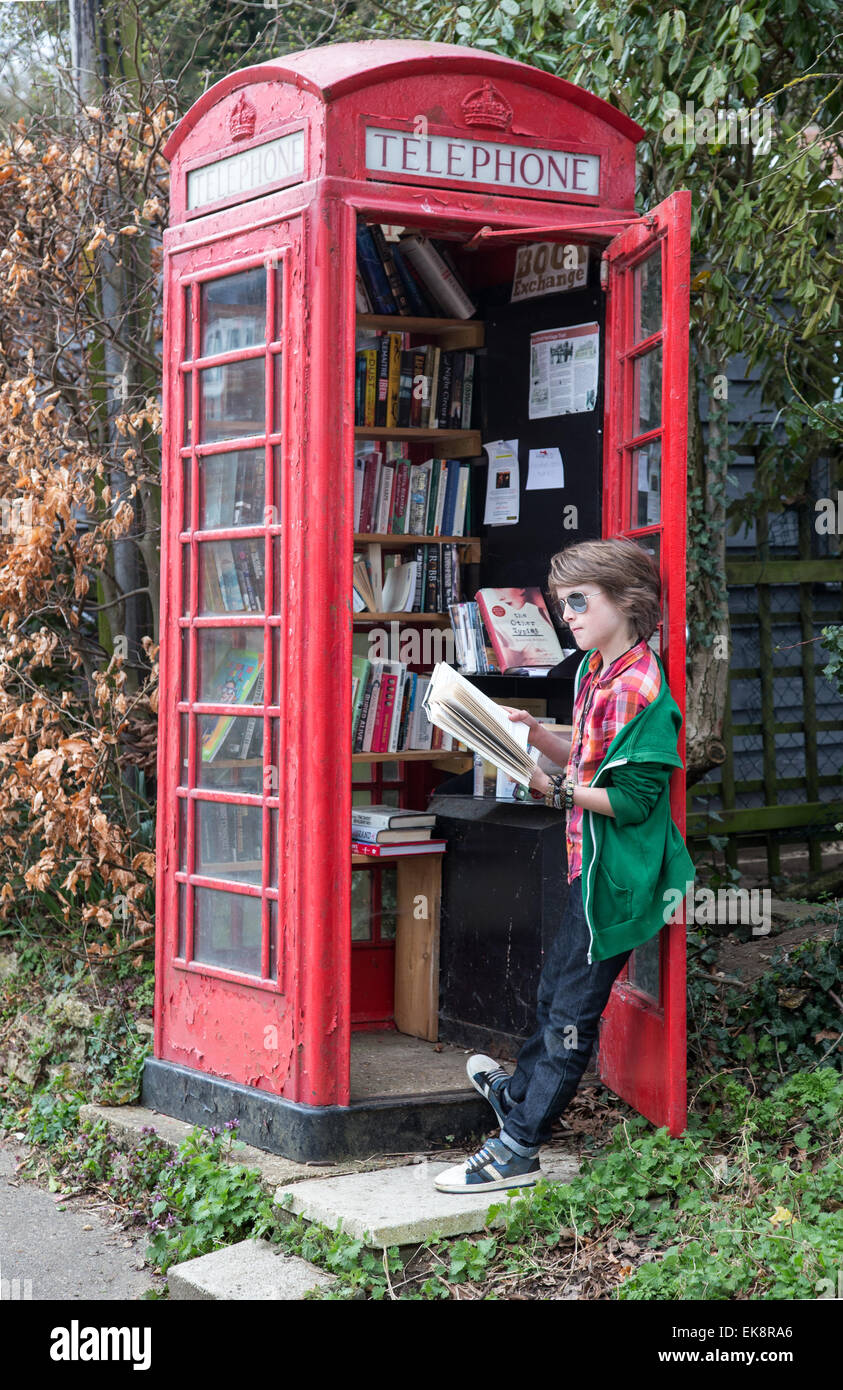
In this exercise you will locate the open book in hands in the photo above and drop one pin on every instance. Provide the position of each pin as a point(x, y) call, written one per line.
point(457, 707)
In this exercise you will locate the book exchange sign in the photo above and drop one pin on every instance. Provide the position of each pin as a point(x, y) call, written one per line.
point(512, 168)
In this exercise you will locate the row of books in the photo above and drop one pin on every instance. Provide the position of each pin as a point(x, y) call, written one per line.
point(427, 583)
point(246, 507)
point(388, 715)
point(401, 386)
point(233, 576)
point(411, 275)
point(226, 836)
point(394, 496)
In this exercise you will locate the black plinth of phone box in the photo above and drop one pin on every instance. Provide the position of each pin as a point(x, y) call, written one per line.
point(504, 886)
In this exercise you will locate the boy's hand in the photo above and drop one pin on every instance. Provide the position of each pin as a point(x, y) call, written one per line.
point(521, 716)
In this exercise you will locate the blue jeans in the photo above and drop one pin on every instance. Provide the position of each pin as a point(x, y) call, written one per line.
point(572, 995)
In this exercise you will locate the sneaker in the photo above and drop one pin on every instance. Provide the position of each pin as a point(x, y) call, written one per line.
point(489, 1078)
point(494, 1168)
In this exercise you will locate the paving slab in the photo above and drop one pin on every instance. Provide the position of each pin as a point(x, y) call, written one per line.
point(400, 1206)
point(252, 1269)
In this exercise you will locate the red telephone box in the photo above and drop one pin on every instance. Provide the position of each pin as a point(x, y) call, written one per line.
point(271, 170)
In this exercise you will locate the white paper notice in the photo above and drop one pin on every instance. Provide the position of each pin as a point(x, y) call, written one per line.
point(502, 485)
point(545, 469)
point(564, 365)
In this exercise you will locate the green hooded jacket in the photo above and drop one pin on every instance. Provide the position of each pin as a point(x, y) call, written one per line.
point(634, 862)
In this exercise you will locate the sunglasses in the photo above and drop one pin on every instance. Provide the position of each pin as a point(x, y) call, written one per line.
point(577, 602)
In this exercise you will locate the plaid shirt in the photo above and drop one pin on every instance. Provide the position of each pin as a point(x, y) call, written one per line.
point(630, 683)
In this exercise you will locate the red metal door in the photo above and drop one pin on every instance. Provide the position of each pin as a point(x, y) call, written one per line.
point(642, 1043)
point(225, 965)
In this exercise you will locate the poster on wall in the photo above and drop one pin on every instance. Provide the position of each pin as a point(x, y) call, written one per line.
point(564, 367)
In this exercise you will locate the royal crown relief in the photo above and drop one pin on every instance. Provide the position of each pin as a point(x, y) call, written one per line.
point(397, 153)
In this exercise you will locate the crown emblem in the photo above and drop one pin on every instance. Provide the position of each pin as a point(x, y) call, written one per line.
point(486, 106)
point(241, 122)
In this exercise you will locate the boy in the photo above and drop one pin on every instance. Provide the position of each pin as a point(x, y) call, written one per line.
point(625, 852)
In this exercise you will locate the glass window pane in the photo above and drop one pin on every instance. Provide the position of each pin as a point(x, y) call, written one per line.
point(185, 663)
point(187, 381)
point(187, 473)
point(646, 484)
point(227, 930)
point(361, 772)
point(229, 841)
point(273, 939)
point(277, 388)
point(233, 312)
point(187, 304)
point(231, 400)
point(648, 391)
point(273, 848)
point(231, 576)
point(232, 761)
point(361, 905)
point(648, 296)
point(389, 902)
point(183, 733)
point(230, 666)
point(231, 489)
point(182, 920)
point(182, 805)
point(185, 580)
point(644, 967)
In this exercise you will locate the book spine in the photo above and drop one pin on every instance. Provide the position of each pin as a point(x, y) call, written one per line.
point(417, 597)
point(455, 403)
point(374, 275)
point(433, 403)
point(385, 508)
point(437, 277)
point(361, 667)
point(440, 497)
point(444, 397)
point(409, 689)
point(417, 390)
point(398, 524)
point(386, 704)
point(447, 577)
point(405, 388)
point(393, 383)
point(372, 711)
point(401, 681)
point(432, 591)
point(383, 379)
point(384, 250)
point(483, 608)
point(462, 498)
point(418, 301)
point(467, 391)
point(433, 496)
point(371, 400)
point(363, 301)
point(368, 499)
point(450, 509)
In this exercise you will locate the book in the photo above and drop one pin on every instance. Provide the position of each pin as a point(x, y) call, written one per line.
point(396, 285)
point(369, 836)
point(438, 278)
point(384, 817)
point(520, 628)
point(392, 851)
point(371, 268)
point(457, 707)
point(232, 684)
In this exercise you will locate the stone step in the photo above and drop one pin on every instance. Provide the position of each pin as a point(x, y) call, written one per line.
point(252, 1269)
point(400, 1206)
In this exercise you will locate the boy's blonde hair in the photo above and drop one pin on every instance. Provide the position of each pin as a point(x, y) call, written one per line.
point(623, 570)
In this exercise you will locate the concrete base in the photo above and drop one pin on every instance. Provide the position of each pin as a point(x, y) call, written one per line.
point(406, 1097)
point(400, 1206)
point(251, 1270)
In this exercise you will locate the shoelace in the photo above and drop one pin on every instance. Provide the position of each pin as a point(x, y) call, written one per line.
point(480, 1159)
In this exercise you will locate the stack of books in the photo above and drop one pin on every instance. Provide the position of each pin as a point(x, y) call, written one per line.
point(423, 387)
point(385, 831)
point(413, 275)
point(387, 713)
point(394, 496)
point(429, 582)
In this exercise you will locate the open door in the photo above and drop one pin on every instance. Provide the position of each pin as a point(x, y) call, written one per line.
point(646, 271)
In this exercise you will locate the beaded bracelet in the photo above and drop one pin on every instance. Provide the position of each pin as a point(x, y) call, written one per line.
point(554, 795)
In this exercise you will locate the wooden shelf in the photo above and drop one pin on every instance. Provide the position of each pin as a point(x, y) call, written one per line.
point(453, 333)
point(415, 755)
point(400, 539)
point(433, 619)
point(460, 443)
